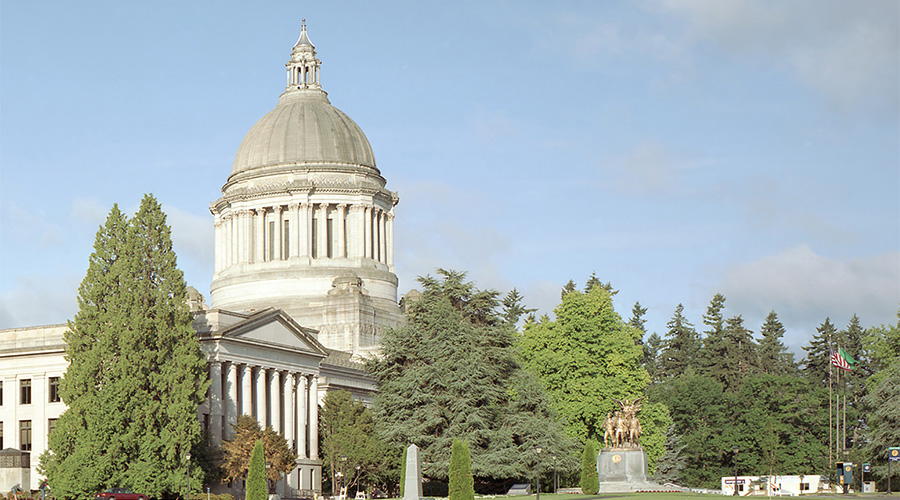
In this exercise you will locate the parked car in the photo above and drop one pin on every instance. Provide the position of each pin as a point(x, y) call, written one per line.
point(119, 494)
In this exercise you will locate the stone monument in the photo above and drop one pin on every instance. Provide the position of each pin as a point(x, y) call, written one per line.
point(412, 481)
point(622, 463)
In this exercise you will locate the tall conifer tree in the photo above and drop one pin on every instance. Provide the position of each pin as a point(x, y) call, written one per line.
point(775, 358)
point(680, 345)
point(136, 373)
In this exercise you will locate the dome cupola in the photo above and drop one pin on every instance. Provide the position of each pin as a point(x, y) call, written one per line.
point(304, 129)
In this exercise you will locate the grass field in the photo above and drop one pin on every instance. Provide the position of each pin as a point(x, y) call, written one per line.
point(689, 496)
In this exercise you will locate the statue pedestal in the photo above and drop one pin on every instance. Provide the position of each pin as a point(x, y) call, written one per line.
point(622, 470)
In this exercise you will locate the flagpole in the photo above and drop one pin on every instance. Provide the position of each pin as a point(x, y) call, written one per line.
point(830, 402)
point(844, 442)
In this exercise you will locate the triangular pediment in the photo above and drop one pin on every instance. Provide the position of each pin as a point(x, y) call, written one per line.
point(273, 327)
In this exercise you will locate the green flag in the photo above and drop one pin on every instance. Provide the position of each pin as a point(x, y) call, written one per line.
point(847, 357)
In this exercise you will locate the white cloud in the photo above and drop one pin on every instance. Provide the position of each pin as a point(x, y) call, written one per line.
point(848, 51)
point(804, 288)
point(651, 169)
point(38, 300)
point(193, 238)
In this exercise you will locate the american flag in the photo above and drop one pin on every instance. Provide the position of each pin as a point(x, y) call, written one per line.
point(839, 361)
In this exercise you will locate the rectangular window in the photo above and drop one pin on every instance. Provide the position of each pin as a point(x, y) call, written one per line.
point(25, 392)
point(1, 399)
point(286, 242)
point(25, 435)
point(51, 424)
point(1, 436)
point(54, 390)
point(271, 240)
point(314, 251)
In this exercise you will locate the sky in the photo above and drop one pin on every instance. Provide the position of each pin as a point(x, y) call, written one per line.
point(676, 149)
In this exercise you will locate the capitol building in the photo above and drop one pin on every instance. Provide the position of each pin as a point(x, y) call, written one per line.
point(303, 286)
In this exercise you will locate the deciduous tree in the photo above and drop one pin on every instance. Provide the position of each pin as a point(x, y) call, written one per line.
point(585, 357)
point(238, 452)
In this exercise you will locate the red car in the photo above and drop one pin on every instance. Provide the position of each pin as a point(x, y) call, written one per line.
point(119, 494)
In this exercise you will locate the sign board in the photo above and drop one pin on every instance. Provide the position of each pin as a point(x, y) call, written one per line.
point(731, 481)
point(894, 454)
point(867, 468)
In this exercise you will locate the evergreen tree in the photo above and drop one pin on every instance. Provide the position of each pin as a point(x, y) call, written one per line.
point(349, 442)
point(593, 281)
point(883, 397)
point(680, 346)
point(817, 363)
point(671, 464)
point(136, 373)
point(513, 309)
point(461, 484)
point(451, 372)
point(652, 361)
point(713, 352)
point(590, 483)
point(742, 358)
point(637, 317)
point(568, 287)
point(403, 473)
point(256, 475)
point(775, 357)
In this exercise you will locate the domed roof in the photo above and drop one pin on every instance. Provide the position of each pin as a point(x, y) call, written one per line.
point(303, 128)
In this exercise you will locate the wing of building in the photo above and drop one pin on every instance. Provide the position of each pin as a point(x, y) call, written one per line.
point(304, 283)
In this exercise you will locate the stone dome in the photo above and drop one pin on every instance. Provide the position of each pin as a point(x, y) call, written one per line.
point(304, 128)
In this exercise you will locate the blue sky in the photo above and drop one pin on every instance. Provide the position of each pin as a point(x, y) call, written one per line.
point(675, 148)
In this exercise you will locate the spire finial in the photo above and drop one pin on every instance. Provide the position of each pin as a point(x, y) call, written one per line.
point(303, 28)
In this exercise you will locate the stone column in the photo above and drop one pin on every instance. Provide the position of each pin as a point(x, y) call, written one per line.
point(340, 250)
point(215, 402)
point(217, 254)
point(307, 215)
point(313, 437)
point(367, 232)
point(322, 231)
point(390, 239)
point(226, 241)
point(382, 236)
point(354, 231)
point(259, 238)
point(260, 382)
point(246, 240)
point(230, 392)
point(275, 401)
point(296, 240)
point(279, 238)
point(287, 380)
point(302, 398)
point(246, 390)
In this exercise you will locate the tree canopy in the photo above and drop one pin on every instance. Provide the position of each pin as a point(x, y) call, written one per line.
point(451, 373)
point(135, 374)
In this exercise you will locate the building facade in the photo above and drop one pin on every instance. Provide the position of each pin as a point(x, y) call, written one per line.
point(304, 283)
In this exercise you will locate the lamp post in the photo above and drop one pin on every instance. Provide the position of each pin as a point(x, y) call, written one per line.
point(538, 476)
point(735, 450)
point(188, 495)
